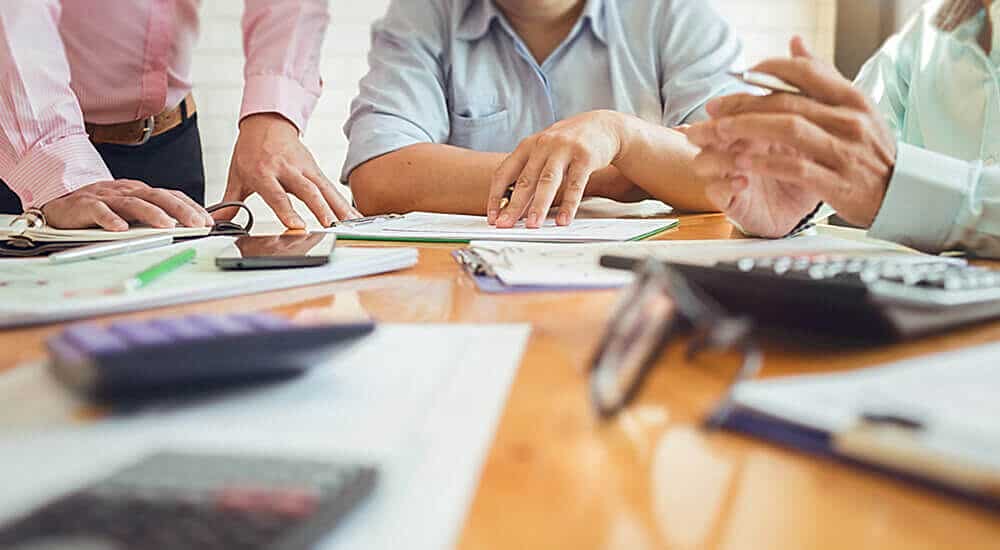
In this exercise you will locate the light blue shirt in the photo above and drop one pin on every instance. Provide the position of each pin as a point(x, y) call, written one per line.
point(941, 95)
point(455, 72)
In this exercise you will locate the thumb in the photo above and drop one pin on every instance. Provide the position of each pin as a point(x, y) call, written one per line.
point(799, 49)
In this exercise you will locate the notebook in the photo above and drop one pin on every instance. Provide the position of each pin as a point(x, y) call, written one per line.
point(27, 235)
point(46, 234)
point(454, 228)
point(35, 291)
point(931, 420)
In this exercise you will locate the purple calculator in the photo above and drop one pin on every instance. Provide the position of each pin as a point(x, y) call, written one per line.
point(135, 360)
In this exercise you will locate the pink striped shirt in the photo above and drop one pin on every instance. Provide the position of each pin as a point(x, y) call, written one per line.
point(63, 62)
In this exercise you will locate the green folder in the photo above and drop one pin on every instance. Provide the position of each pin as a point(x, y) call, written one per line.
point(448, 228)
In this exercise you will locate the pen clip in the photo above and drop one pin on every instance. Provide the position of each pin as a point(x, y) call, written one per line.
point(366, 220)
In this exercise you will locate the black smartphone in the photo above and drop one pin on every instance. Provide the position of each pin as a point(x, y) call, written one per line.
point(278, 252)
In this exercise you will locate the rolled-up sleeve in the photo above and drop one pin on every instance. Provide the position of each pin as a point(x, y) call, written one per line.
point(282, 40)
point(44, 149)
point(402, 100)
point(966, 199)
point(697, 50)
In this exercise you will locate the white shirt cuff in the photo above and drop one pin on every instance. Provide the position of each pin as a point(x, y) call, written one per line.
point(924, 198)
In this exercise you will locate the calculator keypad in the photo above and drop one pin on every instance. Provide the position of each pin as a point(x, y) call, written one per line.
point(175, 501)
point(935, 274)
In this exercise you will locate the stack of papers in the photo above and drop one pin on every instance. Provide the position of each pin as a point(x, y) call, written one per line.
point(424, 227)
point(34, 291)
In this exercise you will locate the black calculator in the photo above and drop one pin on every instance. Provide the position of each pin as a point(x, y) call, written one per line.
point(865, 298)
point(177, 501)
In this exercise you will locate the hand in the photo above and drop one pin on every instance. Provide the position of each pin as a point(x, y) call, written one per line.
point(761, 206)
point(113, 205)
point(834, 143)
point(559, 160)
point(269, 159)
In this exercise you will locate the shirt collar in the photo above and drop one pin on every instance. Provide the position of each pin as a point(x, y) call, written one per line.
point(480, 14)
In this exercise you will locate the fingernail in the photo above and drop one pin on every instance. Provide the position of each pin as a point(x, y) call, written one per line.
point(172, 222)
point(563, 218)
point(492, 216)
point(533, 219)
point(505, 219)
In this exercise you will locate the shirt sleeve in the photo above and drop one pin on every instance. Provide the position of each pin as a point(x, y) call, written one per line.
point(966, 199)
point(697, 50)
point(282, 40)
point(402, 100)
point(44, 149)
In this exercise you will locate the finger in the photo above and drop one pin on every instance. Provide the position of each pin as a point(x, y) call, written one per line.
point(712, 165)
point(135, 209)
point(96, 212)
point(799, 49)
point(802, 172)
point(209, 221)
point(816, 80)
point(342, 208)
point(307, 191)
point(505, 174)
point(577, 178)
point(721, 194)
point(837, 120)
point(549, 181)
point(705, 134)
point(275, 196)
point(188, 214)
point(793, 131)
point(524, 190)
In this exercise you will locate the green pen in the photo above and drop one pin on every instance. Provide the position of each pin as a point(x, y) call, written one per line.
point(159, 270)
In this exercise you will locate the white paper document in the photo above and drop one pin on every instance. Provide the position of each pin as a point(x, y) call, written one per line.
point(34, 291)
point(420, 401)
point(422, 226)
point(578, 265)
point(953, 397)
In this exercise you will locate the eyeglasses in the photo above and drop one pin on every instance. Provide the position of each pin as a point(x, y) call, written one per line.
point(655, 310)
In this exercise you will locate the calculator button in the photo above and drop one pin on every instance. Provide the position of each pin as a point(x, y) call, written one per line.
point(92, 339)
point(215, 325)
point(141, 334)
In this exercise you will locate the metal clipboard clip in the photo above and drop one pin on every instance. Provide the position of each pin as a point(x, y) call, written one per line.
point(366, 220)
point(473, 263)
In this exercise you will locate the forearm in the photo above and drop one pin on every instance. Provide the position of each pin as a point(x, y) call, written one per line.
point(441, 178)
point(44, 149)
point(425, 177)
point(659, 161)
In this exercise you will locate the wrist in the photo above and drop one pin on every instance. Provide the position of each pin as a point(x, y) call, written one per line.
point(270, 120)
point(623, 129)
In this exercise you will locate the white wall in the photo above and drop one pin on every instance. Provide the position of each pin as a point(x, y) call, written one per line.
point(765, 25)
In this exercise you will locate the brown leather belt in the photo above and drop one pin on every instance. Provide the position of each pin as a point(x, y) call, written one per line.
point(141, 131)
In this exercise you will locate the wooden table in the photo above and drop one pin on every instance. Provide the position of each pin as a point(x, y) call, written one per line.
point(557, 478)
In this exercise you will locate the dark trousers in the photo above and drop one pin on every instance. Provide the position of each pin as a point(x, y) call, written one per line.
point(169, 161)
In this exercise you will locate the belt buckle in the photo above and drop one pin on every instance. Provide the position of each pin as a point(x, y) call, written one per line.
point(147, 130)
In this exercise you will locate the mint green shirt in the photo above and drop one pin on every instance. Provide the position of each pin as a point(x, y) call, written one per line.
point(941, 95)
